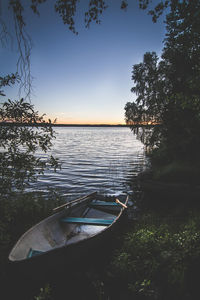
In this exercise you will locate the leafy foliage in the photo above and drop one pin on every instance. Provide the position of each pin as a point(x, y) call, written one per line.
point(45, 293)
point(168, 94)
point(7, 81)
point(156, 261)
point(20, 142)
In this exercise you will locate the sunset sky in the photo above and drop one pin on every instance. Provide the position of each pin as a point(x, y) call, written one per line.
point(85, 78)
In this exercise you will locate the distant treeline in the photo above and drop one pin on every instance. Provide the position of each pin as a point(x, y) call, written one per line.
point(69, 125)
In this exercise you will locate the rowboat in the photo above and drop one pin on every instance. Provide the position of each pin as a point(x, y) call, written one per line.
point(73, 229)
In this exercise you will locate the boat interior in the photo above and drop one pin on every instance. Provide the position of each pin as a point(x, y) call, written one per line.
point(68, 226)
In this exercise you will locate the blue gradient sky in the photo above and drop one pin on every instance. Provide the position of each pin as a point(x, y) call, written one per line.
point(85, 78)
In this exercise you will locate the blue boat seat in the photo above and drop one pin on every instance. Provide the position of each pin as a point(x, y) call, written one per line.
point(33, 252)
point(103, 203)
point(89, 221)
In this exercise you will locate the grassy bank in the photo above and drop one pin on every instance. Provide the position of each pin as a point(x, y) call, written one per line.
point(159, 259)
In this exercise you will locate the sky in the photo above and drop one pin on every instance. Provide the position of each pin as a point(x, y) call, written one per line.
point(84, 78)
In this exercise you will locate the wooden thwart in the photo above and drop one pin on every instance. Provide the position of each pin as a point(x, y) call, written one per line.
point(89, 221)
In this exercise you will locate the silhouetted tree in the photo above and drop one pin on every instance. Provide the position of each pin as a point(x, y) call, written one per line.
point(168, 90)
point(19, 142)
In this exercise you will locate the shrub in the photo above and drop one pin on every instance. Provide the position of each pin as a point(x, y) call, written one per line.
point(156, 261)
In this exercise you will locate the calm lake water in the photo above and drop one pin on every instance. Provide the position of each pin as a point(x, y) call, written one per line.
point(94, 158)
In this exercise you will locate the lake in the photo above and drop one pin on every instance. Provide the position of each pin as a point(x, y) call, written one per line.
point(94, 158)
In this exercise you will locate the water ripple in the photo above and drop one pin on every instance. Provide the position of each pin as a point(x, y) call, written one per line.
point(94, 158)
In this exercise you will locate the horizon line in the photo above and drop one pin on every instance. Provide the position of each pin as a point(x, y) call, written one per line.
point(79, 124)
point(61, 124)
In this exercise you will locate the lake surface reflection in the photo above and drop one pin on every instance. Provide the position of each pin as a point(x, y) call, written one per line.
point(94, 158)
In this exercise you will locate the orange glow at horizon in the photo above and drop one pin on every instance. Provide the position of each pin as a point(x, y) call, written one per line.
point(90, 123)
point(87, 121)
